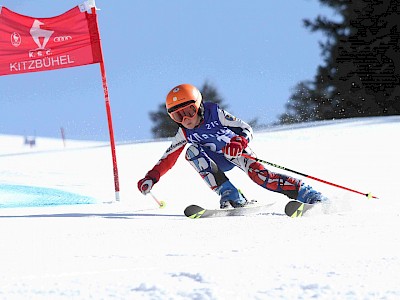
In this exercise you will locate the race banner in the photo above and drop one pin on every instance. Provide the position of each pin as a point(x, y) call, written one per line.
point(30, 44)
point(72, 39)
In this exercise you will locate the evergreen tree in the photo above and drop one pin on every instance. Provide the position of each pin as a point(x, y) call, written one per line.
point(164, 126)
point(361, 71)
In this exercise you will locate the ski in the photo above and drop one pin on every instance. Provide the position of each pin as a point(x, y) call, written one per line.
point(196, 212)
point(295, 209)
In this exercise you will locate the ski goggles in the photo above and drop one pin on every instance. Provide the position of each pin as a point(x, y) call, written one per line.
point(186, 110)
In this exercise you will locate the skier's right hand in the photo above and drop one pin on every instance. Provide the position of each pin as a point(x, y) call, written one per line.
point(146, 184)
point(235, 147)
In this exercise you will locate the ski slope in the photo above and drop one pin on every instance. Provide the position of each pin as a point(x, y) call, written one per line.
point(63, 237)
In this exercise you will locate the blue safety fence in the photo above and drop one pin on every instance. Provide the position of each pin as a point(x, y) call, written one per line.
point(12, 196)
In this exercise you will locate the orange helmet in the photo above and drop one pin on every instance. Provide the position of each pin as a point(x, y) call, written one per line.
point(181, 96)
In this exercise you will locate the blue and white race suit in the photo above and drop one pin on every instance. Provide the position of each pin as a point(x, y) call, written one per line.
point(205, 153)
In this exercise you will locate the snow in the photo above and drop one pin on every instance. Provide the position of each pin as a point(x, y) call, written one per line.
point(63, 236)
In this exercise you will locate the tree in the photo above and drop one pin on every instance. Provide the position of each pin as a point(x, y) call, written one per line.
point(166, 127)
point(361, 72)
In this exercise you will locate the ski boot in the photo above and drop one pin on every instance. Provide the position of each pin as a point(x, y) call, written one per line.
point(230, 196)
point(308, 195)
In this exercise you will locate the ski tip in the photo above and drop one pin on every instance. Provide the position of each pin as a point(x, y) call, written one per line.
point(194, 211)
point(294, 209)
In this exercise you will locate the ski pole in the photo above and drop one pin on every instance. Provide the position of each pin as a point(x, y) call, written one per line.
point(368, 195)
point(161, 203)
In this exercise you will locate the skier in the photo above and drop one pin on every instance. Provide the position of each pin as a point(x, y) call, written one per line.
point(217, 141)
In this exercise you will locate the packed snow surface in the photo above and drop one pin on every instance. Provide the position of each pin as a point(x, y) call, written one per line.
point(64, 237)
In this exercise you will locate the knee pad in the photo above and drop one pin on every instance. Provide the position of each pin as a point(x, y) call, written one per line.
point(258, 173)
point(205, 166)
point(198, 160)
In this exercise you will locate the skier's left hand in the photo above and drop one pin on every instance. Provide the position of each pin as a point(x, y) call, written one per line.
point(235, 147)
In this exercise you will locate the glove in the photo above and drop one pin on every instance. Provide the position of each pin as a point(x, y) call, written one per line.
point(235, 147)
point(146, 184)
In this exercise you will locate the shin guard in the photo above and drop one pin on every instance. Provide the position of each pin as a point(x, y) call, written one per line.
point(275, 182)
